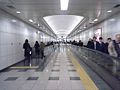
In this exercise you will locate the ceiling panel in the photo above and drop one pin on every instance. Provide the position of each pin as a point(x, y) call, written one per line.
point(37, 9)
point(63, 24)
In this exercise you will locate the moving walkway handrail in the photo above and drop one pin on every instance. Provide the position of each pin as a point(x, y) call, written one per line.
point(100, 58)
point(107, 67)
point(47, 50)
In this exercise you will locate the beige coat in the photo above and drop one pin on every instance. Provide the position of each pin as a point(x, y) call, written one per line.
point(111, 49)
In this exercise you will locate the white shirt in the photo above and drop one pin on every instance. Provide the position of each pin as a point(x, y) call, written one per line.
point(94, 45)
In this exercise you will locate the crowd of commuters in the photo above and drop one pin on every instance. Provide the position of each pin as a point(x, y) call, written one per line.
point(111, 47)
point(39, 49)
point(80, 43)
point(97, 45)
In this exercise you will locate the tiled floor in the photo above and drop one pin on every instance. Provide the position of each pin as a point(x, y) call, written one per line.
point(59, 74)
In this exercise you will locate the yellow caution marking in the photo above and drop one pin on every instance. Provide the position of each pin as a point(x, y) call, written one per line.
point(24, 67)
point(86, 80)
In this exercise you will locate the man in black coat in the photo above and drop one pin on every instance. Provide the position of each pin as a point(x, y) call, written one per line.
point(27, 51)
point(90, 44)
point(37, 48)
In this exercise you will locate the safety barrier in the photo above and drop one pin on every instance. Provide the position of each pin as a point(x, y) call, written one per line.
point(38, 60)
point(47, 50)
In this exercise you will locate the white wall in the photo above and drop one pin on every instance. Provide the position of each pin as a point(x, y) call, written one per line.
point(110, 28)
point(12, 36)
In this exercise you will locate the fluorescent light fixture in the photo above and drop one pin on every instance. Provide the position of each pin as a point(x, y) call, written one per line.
point(96, 20)
point(109, 11)
point(18, 12)
point(30, 20)
point(64, 4)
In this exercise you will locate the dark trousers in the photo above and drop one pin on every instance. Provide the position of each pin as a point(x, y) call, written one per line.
point(42, 54)
point(27, 61)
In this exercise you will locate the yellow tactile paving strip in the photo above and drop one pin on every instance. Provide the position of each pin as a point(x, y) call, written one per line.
point(24, 67)
point(86, 80)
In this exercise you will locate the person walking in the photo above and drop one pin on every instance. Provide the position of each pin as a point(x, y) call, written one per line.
point(42, 46)
point(111, 48)
point(117, 44)
point(27, 52)
point(101, 45)
point(37, 48)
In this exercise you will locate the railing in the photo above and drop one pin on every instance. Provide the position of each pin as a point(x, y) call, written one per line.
point(47, 50)
point(106, 66)
point(39, 60)
point(108, 62)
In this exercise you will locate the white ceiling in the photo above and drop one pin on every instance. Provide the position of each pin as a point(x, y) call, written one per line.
point(63, 24)
point(37, 9)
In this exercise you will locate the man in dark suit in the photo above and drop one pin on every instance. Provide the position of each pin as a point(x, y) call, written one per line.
point(90, 44)
point(93, 44)
point(101, 45)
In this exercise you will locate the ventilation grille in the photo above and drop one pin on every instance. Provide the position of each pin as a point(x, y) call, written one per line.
point(11, 7)
point(117, 6)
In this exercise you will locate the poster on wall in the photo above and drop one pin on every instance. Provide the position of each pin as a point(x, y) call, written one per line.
point(98, 33)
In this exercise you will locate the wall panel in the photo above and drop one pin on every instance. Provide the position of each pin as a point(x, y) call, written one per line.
point(110, 28)
point(12, 36)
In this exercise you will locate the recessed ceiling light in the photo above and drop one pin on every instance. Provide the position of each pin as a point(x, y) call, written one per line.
point(96, 20)
point(18, 12)
point(30, 20)
point(64, 4)
point(47, 70)
point(85, 27)
point(109, 11)
point(92, 22)
point(38, 25)
point(38, 32)
point(14, 20)
point(112, 20)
